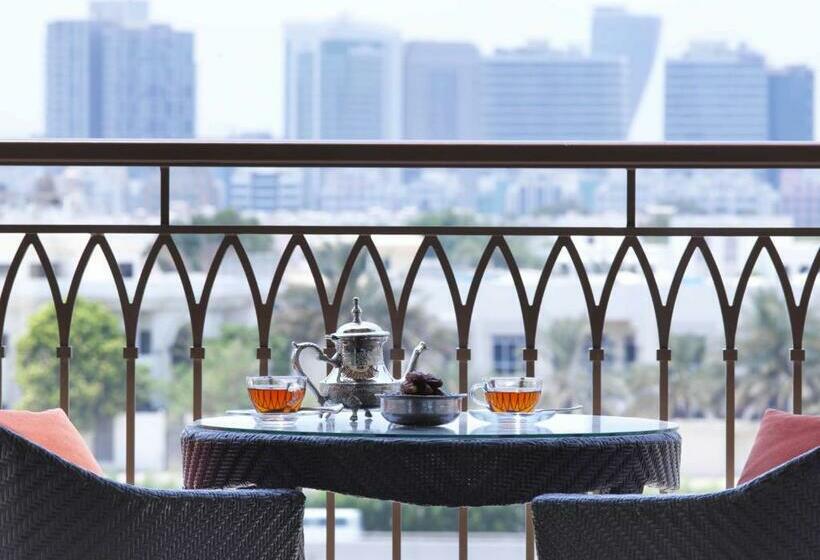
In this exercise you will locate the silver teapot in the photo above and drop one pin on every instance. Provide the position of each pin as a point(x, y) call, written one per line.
point(359, 373)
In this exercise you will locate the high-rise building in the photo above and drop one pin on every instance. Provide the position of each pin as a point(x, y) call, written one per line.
point(791, 103)
point(536, 93)
point(124, 12)
point(118, 76)
point(441, 90)
point(342, 81)
point(616, 32)
point(714, 93)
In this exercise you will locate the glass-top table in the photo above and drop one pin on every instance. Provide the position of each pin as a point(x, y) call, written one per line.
point(465, 426)
point(465, 463)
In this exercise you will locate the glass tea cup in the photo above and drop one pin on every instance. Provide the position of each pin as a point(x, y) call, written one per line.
point(507, 394)
point(276, 393)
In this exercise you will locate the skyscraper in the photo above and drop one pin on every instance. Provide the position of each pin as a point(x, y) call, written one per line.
point(791, 104)
point(342, 81)
point(441, 90)
point(124, 12)
point(536, 93)
point(118, 76)
point(616, 32)
point(714, 93)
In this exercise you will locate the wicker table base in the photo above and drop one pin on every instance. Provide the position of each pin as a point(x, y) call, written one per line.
point(433, 471)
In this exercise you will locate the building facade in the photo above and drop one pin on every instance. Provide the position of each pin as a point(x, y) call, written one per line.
point(791, 104)
point(441, 91)
point(342, 81)
point(119, 77)
point(616, 32)
point(537, 93)
point(266, 190)
point(714, 93)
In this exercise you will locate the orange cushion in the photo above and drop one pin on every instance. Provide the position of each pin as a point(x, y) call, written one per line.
point(781, 437)
point(52, 430)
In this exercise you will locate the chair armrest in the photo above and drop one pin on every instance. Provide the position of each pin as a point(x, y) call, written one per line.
point(52, 507)
point(775, 516)
point(232, 523)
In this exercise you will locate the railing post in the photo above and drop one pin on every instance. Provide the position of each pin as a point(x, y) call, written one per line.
point(529, 355)
point(596, 356)
point(197, 355)
point(64, 354)
point(730, 357)
point(630, 198)
point(330, 497)
point(130, 354)
point(664, 356)
point(396, 357)
point(164, 196)
point(263, 354)
point(798, 356)
point(463, 355)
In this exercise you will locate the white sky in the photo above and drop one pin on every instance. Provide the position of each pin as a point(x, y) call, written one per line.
point(239, 55)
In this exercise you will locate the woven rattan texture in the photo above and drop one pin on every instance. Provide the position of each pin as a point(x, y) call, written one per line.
point(434, 471)
point(774, 516)
point(52, 509)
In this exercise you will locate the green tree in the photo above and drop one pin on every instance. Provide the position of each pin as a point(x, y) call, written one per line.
point(198, 250)
point(97, 374)
point(230, 357)
point(465, 250)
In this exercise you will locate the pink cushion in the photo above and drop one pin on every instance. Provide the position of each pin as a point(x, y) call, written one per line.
point(52, 430)
point(781, 437)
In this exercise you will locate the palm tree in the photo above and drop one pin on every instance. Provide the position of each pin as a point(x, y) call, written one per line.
point(696, 378)
point(565, 345)
point(765, 371)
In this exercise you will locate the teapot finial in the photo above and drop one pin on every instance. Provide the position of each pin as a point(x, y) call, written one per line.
point(357, 312)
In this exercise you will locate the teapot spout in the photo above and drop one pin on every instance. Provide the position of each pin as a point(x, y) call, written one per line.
point(414, 357)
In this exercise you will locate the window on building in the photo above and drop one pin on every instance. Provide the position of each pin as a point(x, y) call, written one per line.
point(37, 270)
point(145, 341)
point(127, 270)
point(507, 354)
point(630, 349)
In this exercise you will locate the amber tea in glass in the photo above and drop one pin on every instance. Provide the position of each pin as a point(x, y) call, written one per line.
point(508, 394)
point(276, 393)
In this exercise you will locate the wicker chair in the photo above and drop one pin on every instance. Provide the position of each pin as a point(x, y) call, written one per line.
point(776, 515)
point(51, 509)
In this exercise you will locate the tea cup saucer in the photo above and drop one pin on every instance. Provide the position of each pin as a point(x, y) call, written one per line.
point(538, 415)
point(274, 416)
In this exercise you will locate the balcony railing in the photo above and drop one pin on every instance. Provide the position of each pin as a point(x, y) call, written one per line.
point(628, 157)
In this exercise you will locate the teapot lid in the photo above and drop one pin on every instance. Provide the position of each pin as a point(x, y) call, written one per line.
point(357, 327)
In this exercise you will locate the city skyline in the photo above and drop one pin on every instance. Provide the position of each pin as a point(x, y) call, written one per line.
point(259, 107)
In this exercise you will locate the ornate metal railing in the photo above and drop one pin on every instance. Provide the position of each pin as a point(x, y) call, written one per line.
point(629, 157)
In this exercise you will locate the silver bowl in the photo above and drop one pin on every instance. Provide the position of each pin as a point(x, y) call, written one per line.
point(420, 410)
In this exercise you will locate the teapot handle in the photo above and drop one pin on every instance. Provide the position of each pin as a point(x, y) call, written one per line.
point(297, 367)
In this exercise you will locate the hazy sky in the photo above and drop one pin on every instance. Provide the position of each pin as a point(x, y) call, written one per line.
point(239, 44)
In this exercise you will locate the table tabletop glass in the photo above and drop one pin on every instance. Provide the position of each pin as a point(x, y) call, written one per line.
point(464, 427)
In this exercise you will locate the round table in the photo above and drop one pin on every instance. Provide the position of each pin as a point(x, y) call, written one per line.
point(465, 463)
